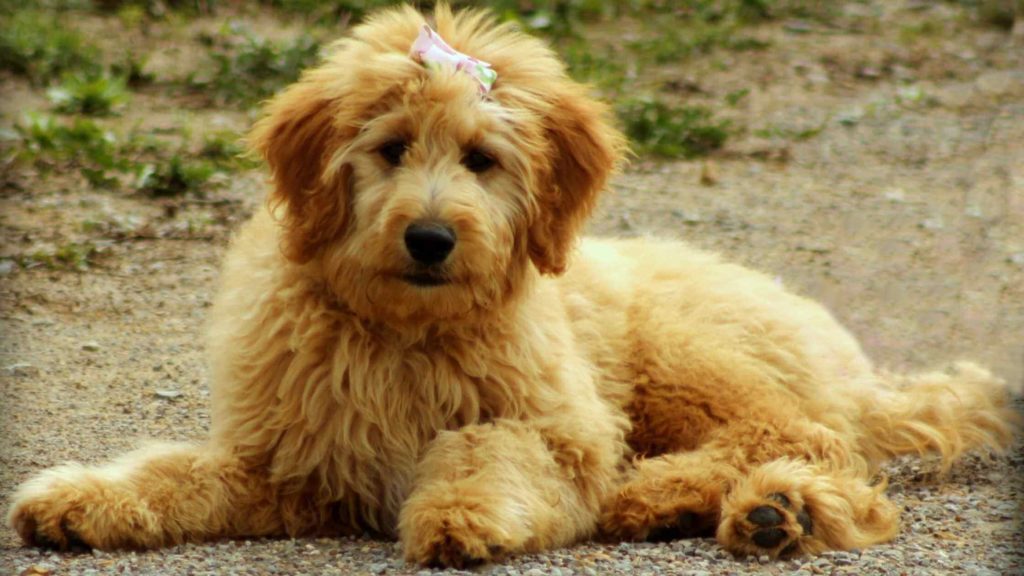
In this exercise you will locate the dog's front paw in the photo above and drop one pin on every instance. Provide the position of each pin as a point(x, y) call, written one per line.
point(774, 526)
point(66, 508)
point(449, 531)
point(48, 512)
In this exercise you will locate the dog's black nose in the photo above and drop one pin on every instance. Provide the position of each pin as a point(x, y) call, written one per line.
point(429, 242)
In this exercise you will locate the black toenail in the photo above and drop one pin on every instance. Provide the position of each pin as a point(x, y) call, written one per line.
point(781, 499)
point(769, 537)
point(805, 522)
point(765, 516)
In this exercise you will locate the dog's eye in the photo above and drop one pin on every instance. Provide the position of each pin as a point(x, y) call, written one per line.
point(477, 161)
point(392, 152)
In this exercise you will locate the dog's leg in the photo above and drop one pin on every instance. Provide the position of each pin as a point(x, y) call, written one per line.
point(488, 490)
point(158, 496)
point(669, 497)
point(789, 507)
point(765, 485)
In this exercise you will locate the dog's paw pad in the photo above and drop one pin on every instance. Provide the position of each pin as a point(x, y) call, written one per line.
point(804, 519)
point(769, 537)
point(765, 516)
point(776, 526)
point(767, 520)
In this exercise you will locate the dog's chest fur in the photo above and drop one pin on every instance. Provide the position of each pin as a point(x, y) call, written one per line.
point(354, 407)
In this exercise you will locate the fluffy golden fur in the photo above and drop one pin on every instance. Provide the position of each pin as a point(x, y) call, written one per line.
point(546, 391)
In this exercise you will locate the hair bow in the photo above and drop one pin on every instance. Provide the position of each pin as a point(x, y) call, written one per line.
point(430, 49)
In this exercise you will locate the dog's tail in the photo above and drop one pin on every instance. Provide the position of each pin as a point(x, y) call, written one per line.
point(940, 413)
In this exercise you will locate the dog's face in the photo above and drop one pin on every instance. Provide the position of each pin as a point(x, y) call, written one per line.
point(414, 197)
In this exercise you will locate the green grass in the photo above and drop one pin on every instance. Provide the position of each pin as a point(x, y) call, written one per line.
point(994, 13)
point(673, 42)
point(793, 134)
point(244, 69)
point(139, 162)
point(41, 47)
point(74, 256)
point(586, 64)
point(327, 11)
point(225, 149)
point(668, 131)
point(81, 143)
point(91, 95)
point(132, 68)
point(175, 176)
point(734, 98)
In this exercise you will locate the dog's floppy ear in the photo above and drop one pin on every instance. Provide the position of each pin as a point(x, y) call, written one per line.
point(296, 137)
point(587, 150)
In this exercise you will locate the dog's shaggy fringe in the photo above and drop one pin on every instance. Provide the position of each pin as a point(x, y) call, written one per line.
point(545, 390)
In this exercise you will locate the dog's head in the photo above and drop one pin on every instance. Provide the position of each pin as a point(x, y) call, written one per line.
point(418, 199)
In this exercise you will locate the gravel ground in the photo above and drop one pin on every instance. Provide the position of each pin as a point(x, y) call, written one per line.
point(905, 215)
point(969, 525)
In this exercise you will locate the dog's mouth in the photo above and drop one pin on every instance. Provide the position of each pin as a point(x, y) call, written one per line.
point(426, 278)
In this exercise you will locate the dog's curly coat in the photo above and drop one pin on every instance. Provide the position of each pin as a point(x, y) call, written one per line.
point(503, 400)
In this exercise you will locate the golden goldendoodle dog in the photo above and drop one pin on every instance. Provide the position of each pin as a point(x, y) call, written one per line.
point(412, 340)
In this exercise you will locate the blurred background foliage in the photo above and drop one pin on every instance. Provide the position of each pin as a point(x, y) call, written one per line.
point(236, 54)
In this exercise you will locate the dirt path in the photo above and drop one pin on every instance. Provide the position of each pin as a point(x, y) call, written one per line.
point(903, 212)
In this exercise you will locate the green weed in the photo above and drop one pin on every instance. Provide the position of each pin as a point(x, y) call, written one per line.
point(74, 256)
point(81, 143)
point(786, 133)
point(38, 46)
point(245, 69)
point(92, 95)
point(736, 96)
point(225, 149)
point(132, 68)
point(328, 11)
point(142, 161)
point(175, 177)
point(910, 33)
point(585, 65)
point(998, 13)
point(136, 9)
point(673, 40)
point(668, 131)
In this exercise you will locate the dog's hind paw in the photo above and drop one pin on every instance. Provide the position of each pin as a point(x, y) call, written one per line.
point(770, 521)
point(773, 526)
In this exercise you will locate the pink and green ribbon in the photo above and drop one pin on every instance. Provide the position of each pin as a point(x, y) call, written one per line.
point(435, 54)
